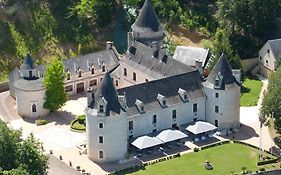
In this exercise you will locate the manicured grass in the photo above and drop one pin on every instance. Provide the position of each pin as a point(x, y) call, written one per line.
point(226, 159)
point(250, 91)
point(79, 123)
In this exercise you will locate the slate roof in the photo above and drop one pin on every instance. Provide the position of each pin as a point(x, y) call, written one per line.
point(188, 55)
point(31, 85)
point(275, 46)
point(96, 59)
point(222, 69)
point(107, 90)
point(28, 62)
point(168, 87)
point(141, 57)
point(147, 24)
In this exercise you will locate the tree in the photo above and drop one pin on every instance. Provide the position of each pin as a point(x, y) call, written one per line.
point(54, 83)
point(20, 157)
point(272, 99)
point(97, 12)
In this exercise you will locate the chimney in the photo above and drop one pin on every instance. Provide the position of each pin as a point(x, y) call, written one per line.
point(109, 45)
point(198, 65)
point(89, 96)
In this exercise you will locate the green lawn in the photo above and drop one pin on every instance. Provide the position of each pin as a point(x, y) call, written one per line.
point(250, 91)
point(225, 159)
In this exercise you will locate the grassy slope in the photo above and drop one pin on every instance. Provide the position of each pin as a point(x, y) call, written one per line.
point(250, 91)
point(225, 159)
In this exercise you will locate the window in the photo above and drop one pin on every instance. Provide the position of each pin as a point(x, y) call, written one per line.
point(268, 51)
point(146, 80)
point(100, 139)
point(217, 83)
point(266, 61)
point(100, 79)
point(260, 57)
point(68, 88)
point(131, 136)
point(164, 103)
point(93, 71)
point(217, 95)
point(216, 109)
point(125, 72)
point(93, 82)
point(154, 130)
point(68, 76)
point(195, 107)
point(101, 108)
point(142, 108)
point(174, 114)
point(131, 125)
point(134, 76)
point(103, 68)
point(100, 125)
point(116, 83)
point(101, 154)
point(79, 73)
point(185, 97)
point(154, 120)
point(30, 74)
point(33, 107)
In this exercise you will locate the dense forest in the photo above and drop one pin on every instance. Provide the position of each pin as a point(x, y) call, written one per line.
point(46, 28)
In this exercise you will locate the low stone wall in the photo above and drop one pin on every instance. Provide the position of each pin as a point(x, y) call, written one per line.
point(273, 172)
point(249, 64)
point(4, 86)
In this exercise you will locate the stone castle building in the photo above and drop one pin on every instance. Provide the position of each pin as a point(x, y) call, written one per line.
point(138, 93)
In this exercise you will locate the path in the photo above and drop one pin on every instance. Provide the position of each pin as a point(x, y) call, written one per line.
point(7, 107)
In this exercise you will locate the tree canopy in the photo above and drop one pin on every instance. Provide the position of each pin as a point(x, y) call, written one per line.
point(272, 100)
point(19, 157)
point(54, 83)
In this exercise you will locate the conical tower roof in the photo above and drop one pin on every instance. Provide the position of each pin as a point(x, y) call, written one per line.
point(28, 62)
point(107, 91)
point(147, 23)
point(223, 71)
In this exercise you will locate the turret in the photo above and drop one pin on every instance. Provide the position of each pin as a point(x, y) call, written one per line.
point(28, 70)
point(147, 28)
point(106, 125)
point(223, 96)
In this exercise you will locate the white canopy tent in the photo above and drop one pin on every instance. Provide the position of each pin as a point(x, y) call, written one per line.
point(146, 142)
point(200, 127)
point(170, 135)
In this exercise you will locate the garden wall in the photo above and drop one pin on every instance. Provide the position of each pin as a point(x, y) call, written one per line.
point(249, 64)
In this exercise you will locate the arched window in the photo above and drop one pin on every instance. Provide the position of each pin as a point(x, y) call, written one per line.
point(33, 107)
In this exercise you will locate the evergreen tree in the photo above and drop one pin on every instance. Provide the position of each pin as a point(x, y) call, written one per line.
point(54, 83)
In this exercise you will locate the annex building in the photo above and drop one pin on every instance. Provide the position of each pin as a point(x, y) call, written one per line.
point(137, 93)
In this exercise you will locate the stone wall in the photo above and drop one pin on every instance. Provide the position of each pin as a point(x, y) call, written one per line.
point(4, 86)
point(249, 64)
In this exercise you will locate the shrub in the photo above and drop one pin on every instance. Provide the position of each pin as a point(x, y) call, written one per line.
point(262, 169)
point(76, 126)
point(81, 119)
point(196, 149)
point(78, 168)
point(41, 122)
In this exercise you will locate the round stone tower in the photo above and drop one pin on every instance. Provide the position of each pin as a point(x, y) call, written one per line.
point(30, 91)
point(147, 28)
point(222, 96)
point(106, 124)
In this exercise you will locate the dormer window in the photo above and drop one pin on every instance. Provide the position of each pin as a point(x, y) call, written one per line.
point(103, 68)
point(140, 105)
point(68, 75)
point(162, 100)
point(92, 70)
point(218, 81)
point(79, 73)
point(101, 109)
point(30, 74)
point(182, 94)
